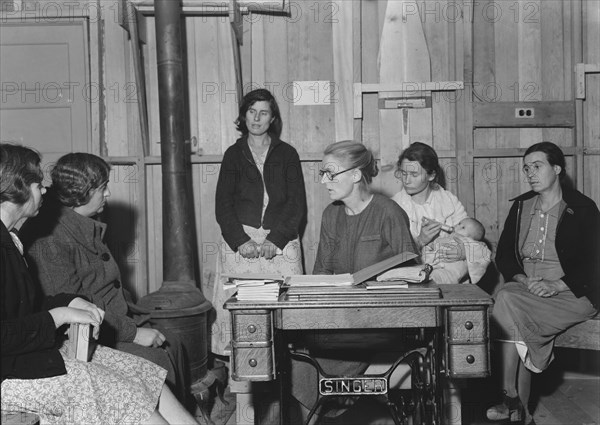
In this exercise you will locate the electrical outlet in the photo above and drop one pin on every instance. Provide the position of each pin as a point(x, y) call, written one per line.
point(524, 112)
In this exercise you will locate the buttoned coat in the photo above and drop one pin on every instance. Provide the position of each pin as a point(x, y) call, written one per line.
point(66, 253)
point(28, 332)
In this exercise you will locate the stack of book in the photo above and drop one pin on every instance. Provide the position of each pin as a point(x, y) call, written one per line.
point(264, 290)
point(255, 287)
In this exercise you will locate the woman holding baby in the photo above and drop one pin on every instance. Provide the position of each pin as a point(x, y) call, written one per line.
point(449, 240)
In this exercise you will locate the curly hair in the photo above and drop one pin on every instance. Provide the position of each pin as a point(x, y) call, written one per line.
point(19, 169)
point(259, 95)
point(76, 176)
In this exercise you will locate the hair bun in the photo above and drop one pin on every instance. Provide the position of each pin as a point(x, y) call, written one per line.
point(374, 169)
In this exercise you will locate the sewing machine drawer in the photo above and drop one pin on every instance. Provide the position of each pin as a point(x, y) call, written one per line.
point(253, 362)
point(468, 325)
point(468, 360)
point(252, 326)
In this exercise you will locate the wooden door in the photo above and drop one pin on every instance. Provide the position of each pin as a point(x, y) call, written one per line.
point(45, 88)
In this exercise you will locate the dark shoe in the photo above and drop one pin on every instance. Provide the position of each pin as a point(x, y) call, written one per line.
point(511, 411)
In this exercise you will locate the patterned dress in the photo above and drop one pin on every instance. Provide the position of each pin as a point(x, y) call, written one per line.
point(113, 388)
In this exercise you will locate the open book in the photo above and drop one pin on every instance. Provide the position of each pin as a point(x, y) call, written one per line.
point(347, 279)
point(411, 274)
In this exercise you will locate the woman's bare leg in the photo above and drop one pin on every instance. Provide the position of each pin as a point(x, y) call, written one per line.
point(524, 383)
point(510, 366)
point(172, 410)
point(155, 419)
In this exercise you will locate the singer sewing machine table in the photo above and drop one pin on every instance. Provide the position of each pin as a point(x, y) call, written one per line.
point(446, 326)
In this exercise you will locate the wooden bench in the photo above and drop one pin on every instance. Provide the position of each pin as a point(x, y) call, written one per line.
point(585, 335)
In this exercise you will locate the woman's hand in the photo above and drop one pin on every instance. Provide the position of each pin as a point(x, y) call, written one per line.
point(249, 249)
point(268, 249)
point(546, 288)
point(149, 337)
point(429, 231)
point(82, 304)
point(64, 315)
point(527, 281)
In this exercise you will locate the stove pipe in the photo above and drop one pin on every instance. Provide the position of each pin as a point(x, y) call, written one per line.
point(178, 305)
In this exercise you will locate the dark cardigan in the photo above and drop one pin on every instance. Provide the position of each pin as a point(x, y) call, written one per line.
point(577, 244)
point(28, 333)
point(239, 197)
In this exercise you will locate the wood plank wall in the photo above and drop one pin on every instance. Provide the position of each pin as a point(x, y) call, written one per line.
point(591, 105)
point(522, 51)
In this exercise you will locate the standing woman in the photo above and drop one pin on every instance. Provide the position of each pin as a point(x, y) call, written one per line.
point(548, 254)
point(260, 203)
point(67, 254)
point(37, 376)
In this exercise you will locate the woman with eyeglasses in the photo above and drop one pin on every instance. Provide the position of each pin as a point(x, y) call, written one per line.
point(260, 204)
point(358, 229)
point(548, 255)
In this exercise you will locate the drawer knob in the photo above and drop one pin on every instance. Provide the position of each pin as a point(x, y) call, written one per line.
point(468, 325)
point(251, 329)
point(470, 359)
point(253, 362)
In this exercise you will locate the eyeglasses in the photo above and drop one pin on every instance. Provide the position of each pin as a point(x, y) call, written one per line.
point(330, 175)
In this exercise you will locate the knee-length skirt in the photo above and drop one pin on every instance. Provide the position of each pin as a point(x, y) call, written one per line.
point(533, 322)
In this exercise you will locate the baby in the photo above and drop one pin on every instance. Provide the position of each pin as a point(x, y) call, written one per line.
point(465, 238)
